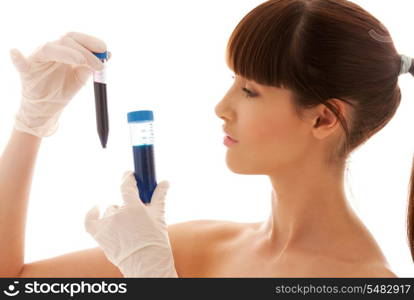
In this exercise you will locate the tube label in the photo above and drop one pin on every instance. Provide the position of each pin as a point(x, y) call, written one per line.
point(100, 76)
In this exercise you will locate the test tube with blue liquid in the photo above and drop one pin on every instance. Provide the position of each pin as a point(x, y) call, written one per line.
point(142, 139)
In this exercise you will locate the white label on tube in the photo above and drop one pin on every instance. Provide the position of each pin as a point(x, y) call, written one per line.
point(100, 76)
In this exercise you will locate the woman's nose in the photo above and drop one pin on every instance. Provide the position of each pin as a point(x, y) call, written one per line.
point(222, 110)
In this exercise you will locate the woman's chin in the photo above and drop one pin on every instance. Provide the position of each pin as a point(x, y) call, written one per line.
point(239, 168)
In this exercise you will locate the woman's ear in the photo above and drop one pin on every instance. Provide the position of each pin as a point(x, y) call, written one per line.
point(317, 121)
point(325, 122)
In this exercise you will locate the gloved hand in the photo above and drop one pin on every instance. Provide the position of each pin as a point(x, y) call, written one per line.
point(134, 237)
point(50, 77)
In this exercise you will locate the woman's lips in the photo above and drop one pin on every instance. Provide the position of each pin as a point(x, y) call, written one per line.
point(232, 139)
point(228, 141)
point(228, 135)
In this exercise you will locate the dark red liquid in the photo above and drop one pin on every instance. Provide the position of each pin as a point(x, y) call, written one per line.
point(101, 106)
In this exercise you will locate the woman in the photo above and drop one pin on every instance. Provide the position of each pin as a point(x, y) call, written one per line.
point(314, 79)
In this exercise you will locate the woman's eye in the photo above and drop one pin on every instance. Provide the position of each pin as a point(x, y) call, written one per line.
point(249, 94)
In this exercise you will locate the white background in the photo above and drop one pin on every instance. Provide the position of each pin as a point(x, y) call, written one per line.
point(169, 56)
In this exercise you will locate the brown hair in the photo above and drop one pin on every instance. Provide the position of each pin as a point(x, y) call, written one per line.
point(323, 50)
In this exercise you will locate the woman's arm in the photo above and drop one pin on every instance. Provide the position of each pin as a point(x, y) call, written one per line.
point(16, 171)
point(191, 242)
point(84, 263)
point(50, 78)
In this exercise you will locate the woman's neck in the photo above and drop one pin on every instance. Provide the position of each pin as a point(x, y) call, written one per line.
point(308, 209)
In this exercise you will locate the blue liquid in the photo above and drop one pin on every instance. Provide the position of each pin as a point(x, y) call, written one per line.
point(145, 171)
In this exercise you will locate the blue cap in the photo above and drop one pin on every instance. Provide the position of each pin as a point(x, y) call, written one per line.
point(103, 55)
point(140, 116)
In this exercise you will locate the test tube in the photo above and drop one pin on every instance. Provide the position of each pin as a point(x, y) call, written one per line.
point(142, 140)
point(101, 105)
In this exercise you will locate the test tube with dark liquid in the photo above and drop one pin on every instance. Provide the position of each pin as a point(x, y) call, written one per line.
point(101, 105)
point(142, 139)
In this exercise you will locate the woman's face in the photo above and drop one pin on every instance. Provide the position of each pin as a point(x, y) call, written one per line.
point(269, 132)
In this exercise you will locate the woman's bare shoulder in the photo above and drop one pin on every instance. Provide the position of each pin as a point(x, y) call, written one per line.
point(375, 270)
point(191, 241)
point(343, 268)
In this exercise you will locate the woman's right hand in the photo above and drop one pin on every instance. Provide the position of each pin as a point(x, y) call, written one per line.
point(50, 77)
point(134, 236)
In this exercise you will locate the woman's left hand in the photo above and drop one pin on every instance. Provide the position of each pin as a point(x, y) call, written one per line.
point(134, 237)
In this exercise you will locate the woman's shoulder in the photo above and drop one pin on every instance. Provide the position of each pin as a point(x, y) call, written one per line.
point(341, 268)
point(193, 244)
point(377, 270)
point(192, 241)
point(362, 261)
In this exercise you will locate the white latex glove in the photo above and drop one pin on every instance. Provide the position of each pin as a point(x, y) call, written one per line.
point(134, 237)
point(50, 77)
